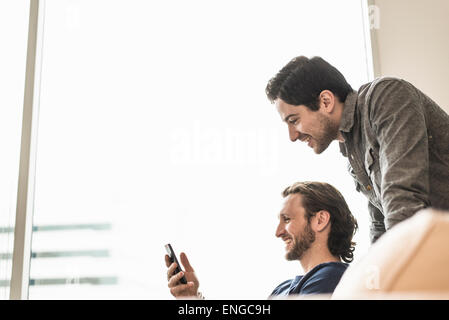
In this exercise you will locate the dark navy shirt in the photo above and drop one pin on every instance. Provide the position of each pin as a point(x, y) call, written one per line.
point(321, 279)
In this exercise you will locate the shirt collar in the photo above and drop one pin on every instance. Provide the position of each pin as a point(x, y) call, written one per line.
point(347, 117)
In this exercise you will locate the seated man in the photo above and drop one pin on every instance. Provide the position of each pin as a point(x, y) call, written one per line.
point(317, 227)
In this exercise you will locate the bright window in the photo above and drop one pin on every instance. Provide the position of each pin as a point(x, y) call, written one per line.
point(154, 127)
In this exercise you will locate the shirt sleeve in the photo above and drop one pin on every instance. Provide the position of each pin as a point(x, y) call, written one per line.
point(398, 120)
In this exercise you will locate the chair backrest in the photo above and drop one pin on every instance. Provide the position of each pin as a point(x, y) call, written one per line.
point(410, 260)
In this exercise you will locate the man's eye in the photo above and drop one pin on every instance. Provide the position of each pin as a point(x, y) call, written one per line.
point(286, 219)
point(292, 121)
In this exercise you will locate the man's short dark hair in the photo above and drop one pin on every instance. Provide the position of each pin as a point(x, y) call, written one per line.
point(317, 196)
point(302, 80)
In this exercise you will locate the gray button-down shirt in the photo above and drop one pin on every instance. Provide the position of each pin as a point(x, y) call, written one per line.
point(397, 144)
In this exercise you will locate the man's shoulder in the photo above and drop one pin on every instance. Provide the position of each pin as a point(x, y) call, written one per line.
point(324, 277)
point(383, 79)
point(368, 89)
point(328, 269)
point(380, 96)
point(282, 288)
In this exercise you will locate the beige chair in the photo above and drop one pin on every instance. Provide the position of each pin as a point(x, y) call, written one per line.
point(410, 261)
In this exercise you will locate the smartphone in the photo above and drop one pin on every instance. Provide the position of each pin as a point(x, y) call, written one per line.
point(172, 256)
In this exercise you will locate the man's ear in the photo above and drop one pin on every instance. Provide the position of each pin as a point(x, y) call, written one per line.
point(321, 220)
point(327, 101)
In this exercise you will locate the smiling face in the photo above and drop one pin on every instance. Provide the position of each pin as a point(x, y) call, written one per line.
point(294, 229)
point(316, 128)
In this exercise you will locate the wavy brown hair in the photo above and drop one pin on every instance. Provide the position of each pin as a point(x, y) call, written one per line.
point(317, 196)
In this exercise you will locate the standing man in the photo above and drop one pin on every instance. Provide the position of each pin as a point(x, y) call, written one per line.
point(395, 137)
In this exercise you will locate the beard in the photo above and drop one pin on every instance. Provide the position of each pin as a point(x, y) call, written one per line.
point(328, 132)
point(301, 244)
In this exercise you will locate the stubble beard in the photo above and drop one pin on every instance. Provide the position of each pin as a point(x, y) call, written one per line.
point(301, 244)
point(329, 132)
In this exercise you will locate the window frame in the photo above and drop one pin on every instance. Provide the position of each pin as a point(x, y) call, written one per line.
point(25, 191)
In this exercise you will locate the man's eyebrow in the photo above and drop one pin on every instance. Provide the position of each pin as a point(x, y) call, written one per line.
point(282, 215)
point(289, 116)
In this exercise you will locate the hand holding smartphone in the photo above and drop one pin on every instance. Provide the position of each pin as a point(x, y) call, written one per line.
point(172, 257)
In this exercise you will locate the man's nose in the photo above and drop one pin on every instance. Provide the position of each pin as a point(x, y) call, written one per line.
point(279, 230)
point(293, 133)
